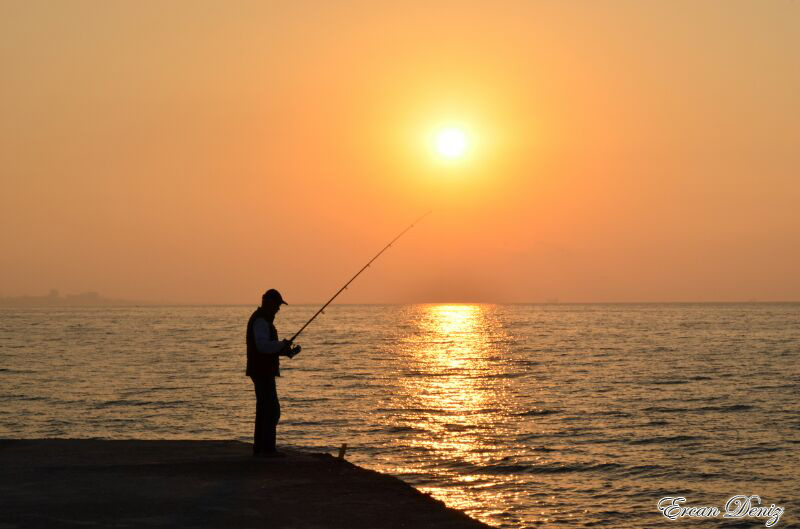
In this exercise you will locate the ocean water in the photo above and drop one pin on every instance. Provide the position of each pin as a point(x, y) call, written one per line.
point(520, 415)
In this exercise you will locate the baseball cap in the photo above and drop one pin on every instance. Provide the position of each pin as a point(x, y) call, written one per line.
point(273, 295)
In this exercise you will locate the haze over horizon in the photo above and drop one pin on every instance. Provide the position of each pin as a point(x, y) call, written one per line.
point(201, 152)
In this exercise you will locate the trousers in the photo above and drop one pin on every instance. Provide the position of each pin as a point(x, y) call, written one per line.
point(268, 413)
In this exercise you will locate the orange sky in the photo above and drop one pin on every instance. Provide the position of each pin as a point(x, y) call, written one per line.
point(202, 152)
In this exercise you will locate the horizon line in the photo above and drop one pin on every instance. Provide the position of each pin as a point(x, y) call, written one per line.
point(132, 303)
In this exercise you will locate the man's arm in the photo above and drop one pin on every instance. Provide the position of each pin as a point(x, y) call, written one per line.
point(263, 343)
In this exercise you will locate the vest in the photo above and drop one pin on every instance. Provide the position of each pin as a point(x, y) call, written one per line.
point(260, 364)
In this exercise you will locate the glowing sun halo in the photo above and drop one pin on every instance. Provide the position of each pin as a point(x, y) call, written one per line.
point(451, 143)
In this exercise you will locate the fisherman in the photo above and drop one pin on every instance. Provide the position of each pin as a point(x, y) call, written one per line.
point(263, 365)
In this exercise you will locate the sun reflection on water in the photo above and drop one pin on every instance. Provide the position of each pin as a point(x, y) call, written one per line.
point(450, 353)
point(454, 395)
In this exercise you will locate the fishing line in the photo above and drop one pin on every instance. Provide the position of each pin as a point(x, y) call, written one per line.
point(355, 276)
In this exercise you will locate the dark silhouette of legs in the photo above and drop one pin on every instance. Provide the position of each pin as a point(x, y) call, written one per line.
point(268, 413)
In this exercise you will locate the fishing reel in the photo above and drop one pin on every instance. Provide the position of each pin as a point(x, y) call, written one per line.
point(291, 351)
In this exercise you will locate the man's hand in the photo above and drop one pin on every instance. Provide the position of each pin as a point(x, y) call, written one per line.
point(288, 350)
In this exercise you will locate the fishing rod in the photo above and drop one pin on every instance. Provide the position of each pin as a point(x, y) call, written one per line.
point(355, 276)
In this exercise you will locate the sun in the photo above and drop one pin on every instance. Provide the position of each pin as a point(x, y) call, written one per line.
point(451, 143)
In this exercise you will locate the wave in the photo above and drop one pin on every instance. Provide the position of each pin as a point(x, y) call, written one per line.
point(702, 409)
point(23, 398)
point(400, 429)
point(610, 413)
point(127, 402)
point(648, 470)
point(666, 439)
point(537, 413)
point(750, 450)
point(550, 468)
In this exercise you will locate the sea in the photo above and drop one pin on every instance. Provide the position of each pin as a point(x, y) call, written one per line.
point(551, 415)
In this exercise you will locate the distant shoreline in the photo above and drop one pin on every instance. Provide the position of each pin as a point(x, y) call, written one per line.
point(54, 299)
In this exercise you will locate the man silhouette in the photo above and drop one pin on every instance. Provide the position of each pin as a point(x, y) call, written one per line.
point(263, 365)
